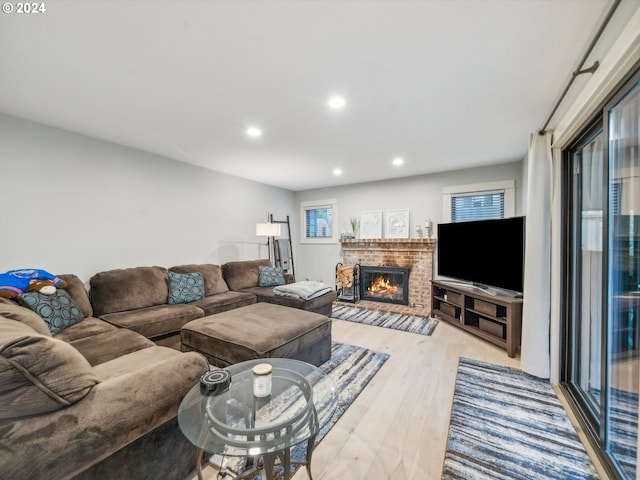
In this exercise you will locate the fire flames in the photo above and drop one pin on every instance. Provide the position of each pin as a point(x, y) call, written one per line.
point(381, 287)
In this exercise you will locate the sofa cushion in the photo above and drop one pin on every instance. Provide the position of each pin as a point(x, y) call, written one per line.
point(105, 346)
point(270, 276)
point(225, 301)
point(39, 374)
point(243, 274)
point(155, 321)
point(128, 289)
point(86, 328)
point(185, 287)
point(11, 310)
point(58, 310)
point(77, 291)
point(133, 361)
point(212, 274)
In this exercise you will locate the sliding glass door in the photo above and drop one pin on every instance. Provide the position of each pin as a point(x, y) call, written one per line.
point(602, 279)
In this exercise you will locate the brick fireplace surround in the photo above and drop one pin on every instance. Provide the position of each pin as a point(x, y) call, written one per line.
point(415, 253)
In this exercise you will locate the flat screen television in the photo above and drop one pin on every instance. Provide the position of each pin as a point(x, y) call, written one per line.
point(484, 253)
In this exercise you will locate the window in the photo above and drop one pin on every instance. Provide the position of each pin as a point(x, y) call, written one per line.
point(477, 206)
point(318, 222)
point(482, 201)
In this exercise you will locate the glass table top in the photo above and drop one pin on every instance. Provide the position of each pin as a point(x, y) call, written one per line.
point(237, 423)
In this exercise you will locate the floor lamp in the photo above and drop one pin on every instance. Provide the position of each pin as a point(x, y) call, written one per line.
point(269, 230)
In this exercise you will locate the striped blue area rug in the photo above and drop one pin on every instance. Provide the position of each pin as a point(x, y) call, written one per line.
point(506, 424)
point(351, 368)
point(624, 430)
point(378, 318)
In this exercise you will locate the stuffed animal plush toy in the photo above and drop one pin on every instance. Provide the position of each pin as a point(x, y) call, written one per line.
point(43, 286)
point(15, 282)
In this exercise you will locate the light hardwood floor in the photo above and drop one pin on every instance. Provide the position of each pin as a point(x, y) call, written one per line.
point(397, 427)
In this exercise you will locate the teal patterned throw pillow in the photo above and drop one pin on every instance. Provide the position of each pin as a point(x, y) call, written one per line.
point(58, 310)
point(270, 276)
point(185, 287)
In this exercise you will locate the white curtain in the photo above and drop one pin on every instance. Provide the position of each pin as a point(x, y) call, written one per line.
point(537, 274)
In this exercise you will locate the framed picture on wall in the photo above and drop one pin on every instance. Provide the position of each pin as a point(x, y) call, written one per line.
point(371, 225)
point(396, 223)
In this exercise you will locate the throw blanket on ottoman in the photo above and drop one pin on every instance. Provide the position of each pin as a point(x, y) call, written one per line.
point(305, 290)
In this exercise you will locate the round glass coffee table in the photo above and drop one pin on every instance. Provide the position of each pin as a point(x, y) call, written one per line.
point(239, 424)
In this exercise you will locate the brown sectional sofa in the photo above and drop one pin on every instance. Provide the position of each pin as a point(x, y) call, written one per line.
point(100, 399)
point(137, 298)
point(95, 401)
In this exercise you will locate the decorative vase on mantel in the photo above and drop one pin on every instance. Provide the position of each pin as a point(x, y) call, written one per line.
point(355, 223)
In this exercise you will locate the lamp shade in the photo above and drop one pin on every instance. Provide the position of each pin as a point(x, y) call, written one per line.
point(268, 229)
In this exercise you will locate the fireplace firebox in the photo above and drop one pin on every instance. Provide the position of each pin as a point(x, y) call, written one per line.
point(385, 284)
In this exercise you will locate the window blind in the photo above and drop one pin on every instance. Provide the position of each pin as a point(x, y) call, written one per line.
point(477, 206)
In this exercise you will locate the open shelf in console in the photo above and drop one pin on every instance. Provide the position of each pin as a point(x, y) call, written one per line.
point(495, 318)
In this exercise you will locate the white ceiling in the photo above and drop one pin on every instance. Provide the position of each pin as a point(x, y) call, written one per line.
point(444, 84)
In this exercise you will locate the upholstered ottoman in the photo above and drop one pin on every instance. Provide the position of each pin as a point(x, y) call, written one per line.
point(261, 330)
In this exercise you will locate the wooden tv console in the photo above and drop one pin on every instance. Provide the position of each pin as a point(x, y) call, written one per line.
point(497, 319)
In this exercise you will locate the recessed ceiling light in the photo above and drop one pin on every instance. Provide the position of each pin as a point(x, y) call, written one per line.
point(336, 102)
point(398, 161)
point(254, 132)
point(337, 171)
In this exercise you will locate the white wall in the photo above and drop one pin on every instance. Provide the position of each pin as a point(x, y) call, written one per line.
point(74, 204)
point(422, 195)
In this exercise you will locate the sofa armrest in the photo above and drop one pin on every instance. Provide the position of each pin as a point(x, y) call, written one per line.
point(114, 413)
